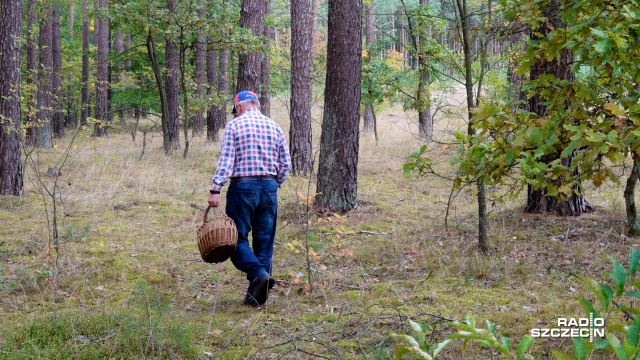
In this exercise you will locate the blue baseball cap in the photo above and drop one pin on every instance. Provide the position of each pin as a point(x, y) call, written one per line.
point(242, 96)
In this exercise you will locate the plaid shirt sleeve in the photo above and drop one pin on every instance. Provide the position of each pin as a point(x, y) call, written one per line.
point(225, 162)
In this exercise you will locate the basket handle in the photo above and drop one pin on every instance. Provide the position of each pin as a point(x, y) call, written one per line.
point(206, 213)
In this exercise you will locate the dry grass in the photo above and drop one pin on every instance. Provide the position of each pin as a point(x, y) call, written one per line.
point(129, 282)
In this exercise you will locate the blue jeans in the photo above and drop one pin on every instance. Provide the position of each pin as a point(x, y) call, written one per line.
point(253, 206)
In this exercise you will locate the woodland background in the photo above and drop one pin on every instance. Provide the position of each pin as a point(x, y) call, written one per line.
point(449, 158)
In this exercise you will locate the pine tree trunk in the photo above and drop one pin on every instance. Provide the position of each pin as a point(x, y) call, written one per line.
point(630, 200)
point(56, 98)
point(200, 55)
point(173, 96)
point(515, 94)
point(369, 39)
point(70, 116)
point(265, 65)
point(301, 91)
point(338, 164)
point(32, 71)
point(152, 51)
point(537, 199)
point(314, 20)
point(127, 47)
point(249, 64)
point(118, 44)
point(425, 121)
point(212, 80)
point(109, 76)
point(42, 130)
point(85, 95)
point(461, 6)
point(220, 118)
point(102, 70)
point(11, 176)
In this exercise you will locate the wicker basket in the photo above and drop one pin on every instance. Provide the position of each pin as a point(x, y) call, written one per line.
point(217, 238)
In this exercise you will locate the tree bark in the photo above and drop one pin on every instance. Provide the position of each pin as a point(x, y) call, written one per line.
point(314, 20)
point(85, 96)
point(300, 133)
point(212, 80)
point(152, 51)
point(249, 64)
point(265, 65)
point(630, 200)
point(173, 96)
point(127, 47)
point(537, 199)
point(425, 120)
point(182, 52)
point(56, 93)
point(369, 115)
point(102, 69)
point(42, 130)
point(220, 118)
point(200, 54)
point(32, 71)
point(338, 164)
point(70, 116)
point(468, 75)
point(11, 176)
point(118, 44)
point(516, 45)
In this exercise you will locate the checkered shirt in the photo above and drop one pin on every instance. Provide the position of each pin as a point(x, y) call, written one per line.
point(252, 145)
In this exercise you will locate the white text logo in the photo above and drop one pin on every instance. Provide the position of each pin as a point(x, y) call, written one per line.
point(573, 328)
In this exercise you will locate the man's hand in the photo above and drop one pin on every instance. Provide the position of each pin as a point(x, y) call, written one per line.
point(214, 200)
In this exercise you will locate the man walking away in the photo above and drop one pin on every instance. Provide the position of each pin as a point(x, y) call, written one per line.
point(255, 159)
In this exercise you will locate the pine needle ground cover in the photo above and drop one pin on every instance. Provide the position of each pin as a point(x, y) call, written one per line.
point(124, 278)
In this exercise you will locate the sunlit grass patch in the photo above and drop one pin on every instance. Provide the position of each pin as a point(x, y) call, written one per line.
point(128, 281)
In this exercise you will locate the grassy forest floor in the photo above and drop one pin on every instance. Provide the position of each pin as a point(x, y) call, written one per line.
point(127, 281)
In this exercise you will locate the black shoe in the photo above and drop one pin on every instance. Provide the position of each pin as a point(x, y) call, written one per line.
point(258, 291)
point(272, 282)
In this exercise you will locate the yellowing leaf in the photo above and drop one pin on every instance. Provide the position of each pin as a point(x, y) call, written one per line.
point(614, 109)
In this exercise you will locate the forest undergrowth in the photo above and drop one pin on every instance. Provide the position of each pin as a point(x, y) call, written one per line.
point(127, 281)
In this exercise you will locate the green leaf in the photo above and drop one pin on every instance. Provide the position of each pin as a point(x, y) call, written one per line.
point(601, 46)
point(614, 109)
point(616, 346)
point(415, 326)
point(632, 310)
point(607, 291)
point(439, 346)
point(589, 308)
point(628, 348)
point(634, 260)
point(506, 343)
point(632, 293)
point(599, 33)
point(594, 286)
point(620, 277)
point(632, 332)
point(579, 349)
point(560, 356)
point(491, 327)
point(525, 343)
point(600, 344)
